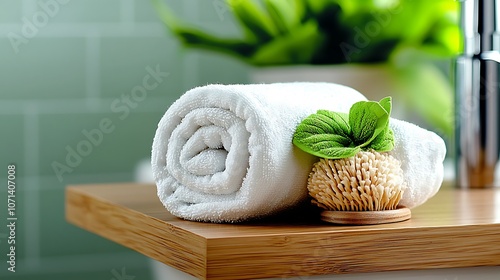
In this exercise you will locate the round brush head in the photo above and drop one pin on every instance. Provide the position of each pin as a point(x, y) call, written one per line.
point(369, 181)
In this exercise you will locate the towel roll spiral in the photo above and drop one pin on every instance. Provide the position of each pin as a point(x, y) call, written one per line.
point(224, 153)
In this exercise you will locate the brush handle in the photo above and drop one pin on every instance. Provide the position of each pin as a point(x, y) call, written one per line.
point(366, 217)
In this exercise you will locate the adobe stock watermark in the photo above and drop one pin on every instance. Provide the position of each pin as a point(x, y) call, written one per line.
point(122, 275)
point(39, 19)
point(121, 107)
point(363, 36)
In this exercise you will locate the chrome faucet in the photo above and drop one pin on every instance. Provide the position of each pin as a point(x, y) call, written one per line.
point(477, 95)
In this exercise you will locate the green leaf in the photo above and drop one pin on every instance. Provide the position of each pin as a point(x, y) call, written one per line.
point(367, 120)
point(254, 20)
point(319, 133)
point(297, 47)
point(195, 38)
point(166, 14)
point(318, 142)
point(338, 121)
point(386, 103)
point(282, 14)
point(338, 153)
point(281, 31)
point(316, 125)
point(334, 135)
point(329, 153)
point(325, 122)
point(384, 142)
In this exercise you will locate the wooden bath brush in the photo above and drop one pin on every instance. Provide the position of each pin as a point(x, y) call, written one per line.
point(356, 181)
point(364, 189)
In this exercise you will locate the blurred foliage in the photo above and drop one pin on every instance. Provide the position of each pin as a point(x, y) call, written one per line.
point(407, 34)
point(281, 32)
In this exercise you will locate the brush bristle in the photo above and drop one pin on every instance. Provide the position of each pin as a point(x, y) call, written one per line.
point(368, 181)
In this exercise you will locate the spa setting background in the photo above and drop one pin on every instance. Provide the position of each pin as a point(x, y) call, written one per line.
point(84, 84)
point(61, 79)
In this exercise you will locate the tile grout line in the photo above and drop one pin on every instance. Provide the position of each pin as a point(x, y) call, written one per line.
point(32, 197)
point(79, 30)
point(92, 71)
point(79, 180)
point(68, 106)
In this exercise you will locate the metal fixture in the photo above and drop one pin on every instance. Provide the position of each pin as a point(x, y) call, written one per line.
point(477, 95)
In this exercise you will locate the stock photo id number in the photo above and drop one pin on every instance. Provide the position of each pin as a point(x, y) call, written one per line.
point(11, 217)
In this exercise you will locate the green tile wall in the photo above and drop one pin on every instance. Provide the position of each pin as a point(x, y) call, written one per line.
point(119, 76)
point(44, 68)
point(57, 233)
point(222, 12)
point(13, 13)
point(88, 139)
point(88, 11)
point(137, 273)
point(144, 13)
point(210, 71)
point(12, 136)
point(68, 76)
point(21, 225)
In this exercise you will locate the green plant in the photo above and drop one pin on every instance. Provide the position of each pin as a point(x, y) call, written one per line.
point(280, 32)
point(333, 135)
point(409, 35)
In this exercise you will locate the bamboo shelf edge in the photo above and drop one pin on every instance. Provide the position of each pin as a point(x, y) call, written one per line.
point(454, 229)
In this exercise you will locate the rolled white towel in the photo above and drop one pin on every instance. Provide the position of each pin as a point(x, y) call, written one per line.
point(421, 153)
point(224, 153)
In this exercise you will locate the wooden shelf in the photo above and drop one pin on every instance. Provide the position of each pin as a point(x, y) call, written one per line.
point(456, 228)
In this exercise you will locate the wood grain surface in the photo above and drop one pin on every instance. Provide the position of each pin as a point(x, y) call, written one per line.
point(360, 218)
point(456, 228)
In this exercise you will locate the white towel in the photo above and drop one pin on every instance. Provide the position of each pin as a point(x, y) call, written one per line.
point(421, 153)
point(224, 153)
